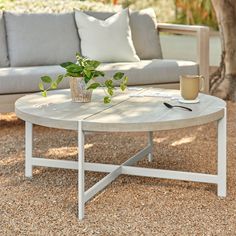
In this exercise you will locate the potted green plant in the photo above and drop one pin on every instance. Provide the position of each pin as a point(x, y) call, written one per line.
point(82, 77)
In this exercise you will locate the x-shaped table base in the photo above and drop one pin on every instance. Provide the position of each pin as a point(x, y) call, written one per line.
point(125, 168)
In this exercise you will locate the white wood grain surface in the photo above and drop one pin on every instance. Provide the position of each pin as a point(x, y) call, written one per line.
point(124, 114)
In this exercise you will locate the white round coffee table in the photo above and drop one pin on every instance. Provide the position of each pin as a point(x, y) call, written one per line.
point(143, 111)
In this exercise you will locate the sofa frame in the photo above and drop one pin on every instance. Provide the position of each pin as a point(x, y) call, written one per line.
point(7, 101)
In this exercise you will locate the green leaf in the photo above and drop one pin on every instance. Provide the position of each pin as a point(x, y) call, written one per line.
point(109, 83)
point(87, 79)
point(78, 56)
point(94, 64)
point(59, 79)
point(123, 87)
point(94, 86)
point(80, 62)
point(98, 73)
point(44, 93)
point(125, 81)
point(89, 68)
point(106, 100)
point(41, 87)
point(118, 75)
point(110, 91)
point(87, 72)
point(65, 64)
point(54, 85)
point(46, 79)
point(73, 68)
point(70, 74)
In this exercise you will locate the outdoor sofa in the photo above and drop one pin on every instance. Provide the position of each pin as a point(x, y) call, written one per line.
point(33, 45)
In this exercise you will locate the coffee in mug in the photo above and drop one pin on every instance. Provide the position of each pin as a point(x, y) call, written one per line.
point(190, 85)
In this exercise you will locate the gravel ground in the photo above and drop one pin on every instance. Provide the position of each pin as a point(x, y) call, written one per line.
point(47, 204)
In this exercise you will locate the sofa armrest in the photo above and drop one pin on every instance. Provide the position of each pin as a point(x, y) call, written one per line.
point(202, 47)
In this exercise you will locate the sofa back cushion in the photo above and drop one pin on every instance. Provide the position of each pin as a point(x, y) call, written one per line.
point(41, 39)
point(144, 32)
point(4, 62)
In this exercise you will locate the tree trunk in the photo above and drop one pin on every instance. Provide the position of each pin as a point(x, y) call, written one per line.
point(226, 16)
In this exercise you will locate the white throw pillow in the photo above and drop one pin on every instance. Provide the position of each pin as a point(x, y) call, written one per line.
point(106, 41)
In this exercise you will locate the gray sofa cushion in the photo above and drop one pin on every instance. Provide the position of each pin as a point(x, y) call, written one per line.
point(3, 49)
point(144, 33)
point(41, 39)
point(26, 79)
point(157, 71)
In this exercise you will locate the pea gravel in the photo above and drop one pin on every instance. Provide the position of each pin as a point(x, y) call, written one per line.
point(47, 204)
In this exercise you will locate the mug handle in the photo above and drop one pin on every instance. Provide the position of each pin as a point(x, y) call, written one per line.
point(202, 83)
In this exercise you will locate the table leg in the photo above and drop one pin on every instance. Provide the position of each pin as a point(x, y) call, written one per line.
point(28, 148)
point(222, 158)
point(81, 198)
point(150, 142)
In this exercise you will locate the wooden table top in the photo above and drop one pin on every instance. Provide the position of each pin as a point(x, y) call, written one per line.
point(125, 114)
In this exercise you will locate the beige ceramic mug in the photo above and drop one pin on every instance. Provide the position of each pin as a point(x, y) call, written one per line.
point(190, 85)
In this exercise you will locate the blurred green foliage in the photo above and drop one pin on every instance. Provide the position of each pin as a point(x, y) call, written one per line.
point(199, 12)
point(191, 12)
point(175, 11)
point(55, 5)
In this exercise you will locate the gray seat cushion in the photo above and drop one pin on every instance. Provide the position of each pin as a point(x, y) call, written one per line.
point(144, 32)
point(157, 71)
point(26, 79)
point(41, 39)
point(3, 51)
